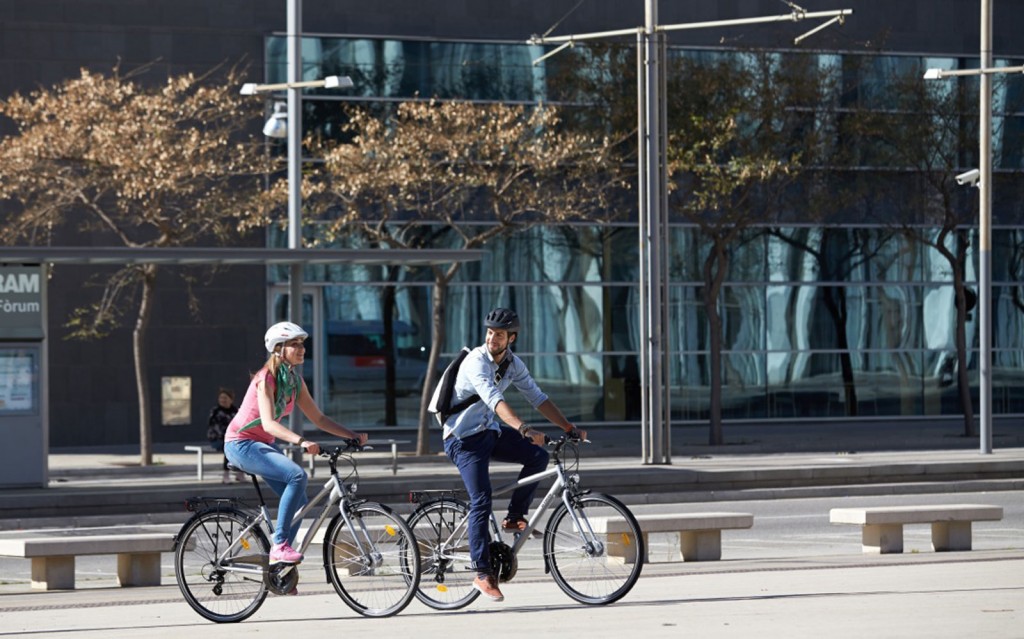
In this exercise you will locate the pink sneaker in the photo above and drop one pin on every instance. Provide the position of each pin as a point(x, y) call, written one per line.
point(284, 554)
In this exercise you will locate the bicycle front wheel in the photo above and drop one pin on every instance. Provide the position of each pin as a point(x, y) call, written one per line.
point(219, 566)
point(374, 565)
point(599, 560)
point(440, 530)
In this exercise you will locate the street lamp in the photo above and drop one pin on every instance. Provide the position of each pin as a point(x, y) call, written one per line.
point(277, 123)
point(982, 178)
point(938, 74)
point(281, 124)
point(653, 202)
point(294, 86)
point(330, 82)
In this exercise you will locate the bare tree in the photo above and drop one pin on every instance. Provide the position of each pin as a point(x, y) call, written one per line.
point(142, 166)
point(722, 195)
point(922, 138)
point(457, 175)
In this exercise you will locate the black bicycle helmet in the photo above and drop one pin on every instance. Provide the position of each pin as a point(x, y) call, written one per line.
point(504, 318)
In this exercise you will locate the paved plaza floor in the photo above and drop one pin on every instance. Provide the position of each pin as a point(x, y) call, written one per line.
point(976, 594)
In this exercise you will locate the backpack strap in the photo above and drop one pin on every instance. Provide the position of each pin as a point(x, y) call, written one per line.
point(472, 399)
point(447, 387)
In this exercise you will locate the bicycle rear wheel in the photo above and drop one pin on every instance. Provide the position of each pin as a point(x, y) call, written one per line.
point(599, 568)
point(375, 566)
point(440, 530)
point(210, 547)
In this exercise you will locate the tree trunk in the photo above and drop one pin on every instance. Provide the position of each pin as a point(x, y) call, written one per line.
point(963, 381)
point(715, 266)
point(139, 348)
point(388, 315)
point(835, 303)
point(426, 420)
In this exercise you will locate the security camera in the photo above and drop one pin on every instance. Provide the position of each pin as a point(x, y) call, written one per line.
point(970, 178)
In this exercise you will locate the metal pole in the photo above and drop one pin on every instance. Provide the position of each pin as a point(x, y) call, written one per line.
point(642, 272)
point(663, 277)
point(295, 174)
point(653, 240)
point(985, 231)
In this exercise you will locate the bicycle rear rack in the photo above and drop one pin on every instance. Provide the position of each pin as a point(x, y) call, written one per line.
point(421, 496)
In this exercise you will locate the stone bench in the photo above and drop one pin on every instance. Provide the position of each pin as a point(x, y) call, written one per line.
point(700, 534)
point(53, 558)
point(882, 530)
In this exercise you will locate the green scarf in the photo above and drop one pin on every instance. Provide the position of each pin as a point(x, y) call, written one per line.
point(287, 388)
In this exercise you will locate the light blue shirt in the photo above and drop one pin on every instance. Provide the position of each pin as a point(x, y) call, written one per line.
point(476, 377)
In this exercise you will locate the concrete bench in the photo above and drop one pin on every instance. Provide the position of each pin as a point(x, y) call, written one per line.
point(882, 530)
point(700, 534)
point(53, 558)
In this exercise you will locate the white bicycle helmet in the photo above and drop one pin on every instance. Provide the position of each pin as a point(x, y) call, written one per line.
point(282, 332)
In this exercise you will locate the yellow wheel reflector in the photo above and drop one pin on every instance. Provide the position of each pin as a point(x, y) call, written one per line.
point(625, 540)
point(244, 542)
point(442, 588)
point(390, 530)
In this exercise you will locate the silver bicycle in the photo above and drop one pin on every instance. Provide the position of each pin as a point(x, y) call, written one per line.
point(221, 556)
point(592, 544)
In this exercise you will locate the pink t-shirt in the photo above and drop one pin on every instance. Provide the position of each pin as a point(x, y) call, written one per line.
point(246, 424)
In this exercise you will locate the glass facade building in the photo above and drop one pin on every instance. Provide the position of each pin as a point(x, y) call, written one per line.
point(806, 307)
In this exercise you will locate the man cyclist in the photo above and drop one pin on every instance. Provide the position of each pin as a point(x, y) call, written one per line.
point(474, 436)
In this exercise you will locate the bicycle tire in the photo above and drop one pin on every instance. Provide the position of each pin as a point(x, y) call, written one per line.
point(217, 593)
point(592, 573)
point(447, 569)
point(383, 581)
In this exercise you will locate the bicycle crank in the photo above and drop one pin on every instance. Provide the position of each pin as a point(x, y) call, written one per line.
point(280, 580)
point(503, 560)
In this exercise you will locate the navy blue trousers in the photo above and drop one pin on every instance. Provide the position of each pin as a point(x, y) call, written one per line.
point(472, 456)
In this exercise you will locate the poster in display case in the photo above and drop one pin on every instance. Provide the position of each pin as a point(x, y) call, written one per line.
point(19, 381)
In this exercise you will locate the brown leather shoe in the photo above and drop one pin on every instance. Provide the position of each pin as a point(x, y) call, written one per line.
point(513, 524)
point(488, 585)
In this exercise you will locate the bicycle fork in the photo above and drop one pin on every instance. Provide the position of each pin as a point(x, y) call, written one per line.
point(566, 488)
point(367, 554)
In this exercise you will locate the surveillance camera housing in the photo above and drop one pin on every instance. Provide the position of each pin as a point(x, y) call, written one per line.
point(969, 178)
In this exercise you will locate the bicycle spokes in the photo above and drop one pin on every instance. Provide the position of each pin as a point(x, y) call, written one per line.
point(595, 551)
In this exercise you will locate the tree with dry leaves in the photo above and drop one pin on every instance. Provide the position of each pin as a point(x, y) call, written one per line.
point(140, 166)
point(923, 134)
point(429, 173)
point(729, 159)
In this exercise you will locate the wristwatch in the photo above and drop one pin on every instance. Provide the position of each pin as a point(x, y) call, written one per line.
point(524, 430)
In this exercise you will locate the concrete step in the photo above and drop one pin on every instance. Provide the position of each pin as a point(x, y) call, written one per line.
point(687, 480)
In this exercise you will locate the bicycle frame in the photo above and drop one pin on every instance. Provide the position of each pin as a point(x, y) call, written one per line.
point(338, 492)
point(369, 553)
point(559, 487)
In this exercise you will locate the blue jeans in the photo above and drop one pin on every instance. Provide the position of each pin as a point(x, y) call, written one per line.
point(284, 476)
point(472, 456)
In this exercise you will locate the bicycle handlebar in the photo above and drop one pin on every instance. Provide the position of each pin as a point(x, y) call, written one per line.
point(350, 445)
point(566, 438)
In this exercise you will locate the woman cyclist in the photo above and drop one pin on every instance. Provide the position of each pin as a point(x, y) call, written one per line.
point(249, 442)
